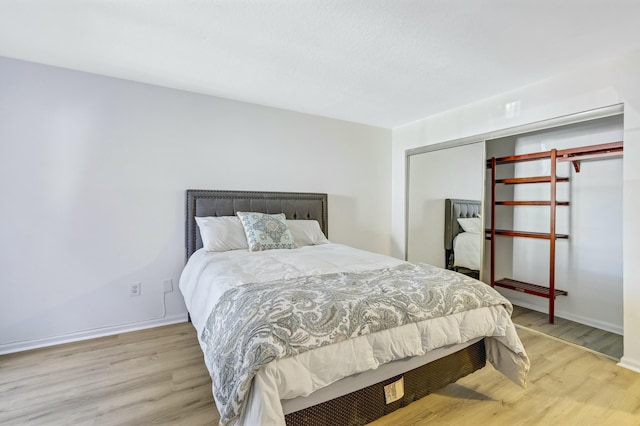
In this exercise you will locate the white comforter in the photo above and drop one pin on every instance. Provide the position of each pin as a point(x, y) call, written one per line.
point(209, 274)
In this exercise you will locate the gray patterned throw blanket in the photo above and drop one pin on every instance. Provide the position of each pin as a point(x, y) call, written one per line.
point(254, 324)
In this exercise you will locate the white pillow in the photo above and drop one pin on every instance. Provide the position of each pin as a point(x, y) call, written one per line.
point(222, 233)
point(472, 225)
point(306, 232)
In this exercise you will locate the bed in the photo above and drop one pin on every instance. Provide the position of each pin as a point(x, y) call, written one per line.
point(358, 377)
point(463, 236)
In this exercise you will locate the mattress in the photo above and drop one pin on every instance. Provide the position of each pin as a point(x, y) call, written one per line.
point(208, 276)
point(367, 404)
point(368, 378)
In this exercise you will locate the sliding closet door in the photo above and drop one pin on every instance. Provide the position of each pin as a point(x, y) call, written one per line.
point(433, 176)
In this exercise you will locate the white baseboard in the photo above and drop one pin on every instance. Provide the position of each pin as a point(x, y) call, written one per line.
point(25, 345)
point(629, 364)
point(613, 328)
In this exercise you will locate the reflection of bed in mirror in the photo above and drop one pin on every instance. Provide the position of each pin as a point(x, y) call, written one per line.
point(463, 236)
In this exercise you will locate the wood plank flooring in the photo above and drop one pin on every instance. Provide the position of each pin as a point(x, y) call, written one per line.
point(566, 386)
point(158, 376)
point(154, 376)
point(583, 335)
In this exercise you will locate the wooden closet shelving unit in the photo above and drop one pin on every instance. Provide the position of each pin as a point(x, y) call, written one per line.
point(575, 155)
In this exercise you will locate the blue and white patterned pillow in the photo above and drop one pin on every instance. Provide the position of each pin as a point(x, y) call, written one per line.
point(266, 231)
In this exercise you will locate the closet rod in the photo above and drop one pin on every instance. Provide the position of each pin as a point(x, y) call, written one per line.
point(572, 154)
point(593, 152)
point(605, 149)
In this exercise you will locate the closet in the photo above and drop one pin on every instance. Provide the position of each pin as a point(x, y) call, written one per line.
point(553, 220)
point(575, 156)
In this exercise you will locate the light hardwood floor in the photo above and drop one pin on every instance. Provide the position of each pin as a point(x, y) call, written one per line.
point(158, 376)
point(583, 335)
point(154, 376)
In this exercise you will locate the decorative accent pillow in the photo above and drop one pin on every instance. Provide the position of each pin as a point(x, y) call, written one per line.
point(222, 233)
point(266, 231)
point(472, 225)
point(306, 232)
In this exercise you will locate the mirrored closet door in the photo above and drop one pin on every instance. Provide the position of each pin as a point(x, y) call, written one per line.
point(434, 174)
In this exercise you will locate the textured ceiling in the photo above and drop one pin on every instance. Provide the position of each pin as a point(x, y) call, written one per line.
point(384, 63)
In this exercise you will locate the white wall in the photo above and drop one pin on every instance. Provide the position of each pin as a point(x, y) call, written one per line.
point(434, 176)
point(603, 84)
point(92, 178)
point(589, 263)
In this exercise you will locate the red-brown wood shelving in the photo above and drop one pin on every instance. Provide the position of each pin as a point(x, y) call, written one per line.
point(530, 203)
point(539, 235)
point(575, 155)
point(534, 289)
point(534, 179)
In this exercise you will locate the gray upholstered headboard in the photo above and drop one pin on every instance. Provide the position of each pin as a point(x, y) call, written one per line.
point(294, 205)
point(453, 209)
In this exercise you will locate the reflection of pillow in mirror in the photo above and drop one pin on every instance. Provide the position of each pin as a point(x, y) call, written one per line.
point(472, 225)
point(306, 232)
point(266, 231)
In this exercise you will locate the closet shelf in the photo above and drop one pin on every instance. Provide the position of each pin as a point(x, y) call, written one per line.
point(528, 288)
point(522, 157)
point(530, 203)
point(538, 235)
point(533, 179)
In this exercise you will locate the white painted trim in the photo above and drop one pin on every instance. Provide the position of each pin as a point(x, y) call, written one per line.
point(579, 117)
point(25, 345)
point(606, 326)
point(629, 364)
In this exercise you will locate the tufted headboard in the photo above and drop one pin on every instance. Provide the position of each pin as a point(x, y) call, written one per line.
point(453, 209)
point(294, 205)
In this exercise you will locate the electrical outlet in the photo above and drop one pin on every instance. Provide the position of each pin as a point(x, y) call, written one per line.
point(135, 289)
point(167, 285)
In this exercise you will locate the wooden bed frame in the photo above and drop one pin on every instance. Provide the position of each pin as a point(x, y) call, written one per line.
point(454, 209)
point(356, 407)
